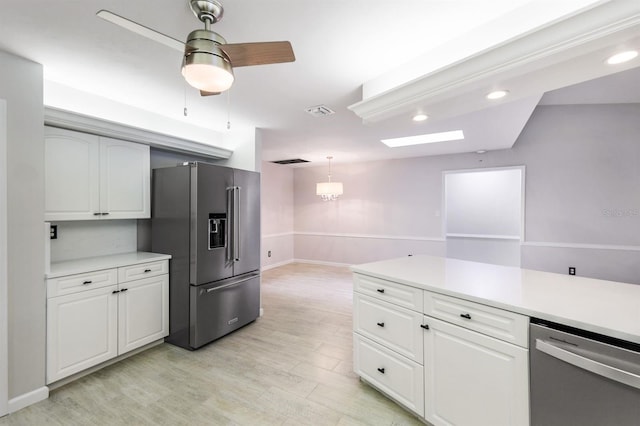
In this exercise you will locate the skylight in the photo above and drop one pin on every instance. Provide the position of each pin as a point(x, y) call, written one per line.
point(453, 135)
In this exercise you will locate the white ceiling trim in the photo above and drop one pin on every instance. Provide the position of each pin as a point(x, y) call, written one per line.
point(607, 25)
point(83, 123)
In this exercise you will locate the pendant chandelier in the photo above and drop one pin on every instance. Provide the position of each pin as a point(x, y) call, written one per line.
point(329, 191)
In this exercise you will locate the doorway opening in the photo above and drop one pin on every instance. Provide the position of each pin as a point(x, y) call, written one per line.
point(484, 214)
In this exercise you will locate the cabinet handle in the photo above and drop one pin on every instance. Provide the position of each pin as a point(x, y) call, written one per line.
point(381, 370)
point(97, 214)
point(104, 214)
point(381, 290)
point(425, 326)
point(380, 324)
point(147, 270)
point(466, 316)
point(87, 282)
point(115, 291)
point(124, 289)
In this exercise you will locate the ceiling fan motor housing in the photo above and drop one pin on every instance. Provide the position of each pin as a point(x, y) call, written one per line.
point(205, 42)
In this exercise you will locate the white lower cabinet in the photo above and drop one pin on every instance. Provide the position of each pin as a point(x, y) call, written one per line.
point(90, 320)
point(143, 308)
point(473, 379)
point(81, 331)
point(397, 376)
point(388, 340)
point(452, 361)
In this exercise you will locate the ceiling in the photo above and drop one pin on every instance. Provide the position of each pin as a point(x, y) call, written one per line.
point(339, 45)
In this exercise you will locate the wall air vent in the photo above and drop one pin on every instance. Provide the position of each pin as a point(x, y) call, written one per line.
point(291, 161)
point(320, 111)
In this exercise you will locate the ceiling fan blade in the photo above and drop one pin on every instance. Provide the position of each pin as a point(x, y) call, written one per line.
point(141, 30)
point(203, 93)
point(262, 53)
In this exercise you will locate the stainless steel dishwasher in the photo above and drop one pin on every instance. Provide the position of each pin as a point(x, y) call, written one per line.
point(582, 378)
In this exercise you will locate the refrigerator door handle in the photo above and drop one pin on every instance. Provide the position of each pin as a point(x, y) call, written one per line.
point(236, 224)
point(228, 247)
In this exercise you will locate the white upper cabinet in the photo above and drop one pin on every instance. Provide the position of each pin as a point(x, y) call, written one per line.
point(71, 175)
point(90, 177)
point(124, 179)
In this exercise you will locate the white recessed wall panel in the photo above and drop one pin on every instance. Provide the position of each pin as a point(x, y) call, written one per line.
point(484, 203)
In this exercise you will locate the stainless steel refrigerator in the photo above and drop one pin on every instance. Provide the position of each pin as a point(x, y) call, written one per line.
point(207, 218)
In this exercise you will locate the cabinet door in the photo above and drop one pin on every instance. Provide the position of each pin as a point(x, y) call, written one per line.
point(71, 175)
point(472, 379)
point(124, 180)
point(143, 312)
point(81, 331)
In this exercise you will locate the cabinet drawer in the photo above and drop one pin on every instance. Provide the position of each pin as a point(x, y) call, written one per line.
point(394, 375)
point(392, 326)
point(498, 323)
point(142, 270)
point(81, 282)
point(398, 294)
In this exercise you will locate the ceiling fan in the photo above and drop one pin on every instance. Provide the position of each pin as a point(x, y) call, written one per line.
point(208, 60)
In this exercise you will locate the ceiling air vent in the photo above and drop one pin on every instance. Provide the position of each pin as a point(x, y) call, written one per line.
point(320, 110)
point(291, 161)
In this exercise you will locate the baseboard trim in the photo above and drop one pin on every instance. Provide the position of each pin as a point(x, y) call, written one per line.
point(90, 370)
point(276, 265)
point(24, 400)
point(322, 262)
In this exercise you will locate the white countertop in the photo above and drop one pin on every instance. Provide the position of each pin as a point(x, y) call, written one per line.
point(78, 266)
point(605, 307)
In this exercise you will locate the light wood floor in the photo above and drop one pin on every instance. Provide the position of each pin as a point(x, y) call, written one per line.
point(293, 366)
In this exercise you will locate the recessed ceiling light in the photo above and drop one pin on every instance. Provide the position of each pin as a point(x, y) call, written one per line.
point(621, 57)
point(497, 94)
point(420, 117)
point(481, 151)
point(453, 135)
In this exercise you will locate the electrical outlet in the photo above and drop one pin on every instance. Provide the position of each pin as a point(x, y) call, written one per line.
point(572, 270)
point(269, 253)
point(53, 233)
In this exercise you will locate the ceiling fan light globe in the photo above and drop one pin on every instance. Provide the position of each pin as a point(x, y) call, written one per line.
point(207, 72)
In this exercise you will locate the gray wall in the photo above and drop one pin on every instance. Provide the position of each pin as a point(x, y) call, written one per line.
point(582, 197)
point(159, 159)
point(21, 86)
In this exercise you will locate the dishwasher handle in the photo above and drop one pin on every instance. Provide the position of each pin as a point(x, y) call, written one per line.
point(596, 367)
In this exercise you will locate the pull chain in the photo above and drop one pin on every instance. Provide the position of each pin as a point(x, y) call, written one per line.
point(229, 109)
point(185, 112)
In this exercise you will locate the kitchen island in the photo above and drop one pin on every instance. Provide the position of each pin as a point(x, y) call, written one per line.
point(449, 339)
point(605, 307)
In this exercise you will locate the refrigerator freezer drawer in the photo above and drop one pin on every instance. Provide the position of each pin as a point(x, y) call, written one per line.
point(222, 307)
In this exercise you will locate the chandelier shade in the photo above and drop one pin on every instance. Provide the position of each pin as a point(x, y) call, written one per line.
point(329, 191)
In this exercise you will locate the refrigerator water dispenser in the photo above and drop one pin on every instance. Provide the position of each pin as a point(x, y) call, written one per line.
point(217, 230)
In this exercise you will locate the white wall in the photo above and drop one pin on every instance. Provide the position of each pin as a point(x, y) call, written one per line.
point(67, 98)
point(276, 214)
point(4, 353)
point(582, 197)
point(79, 239)
point(21, 87)
point(388, 209)
point(246, 143)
